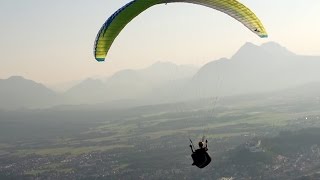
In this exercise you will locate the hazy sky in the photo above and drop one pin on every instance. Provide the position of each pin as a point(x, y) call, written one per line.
point(52, 41)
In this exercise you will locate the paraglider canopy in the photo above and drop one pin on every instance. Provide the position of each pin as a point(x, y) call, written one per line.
point(115, 23)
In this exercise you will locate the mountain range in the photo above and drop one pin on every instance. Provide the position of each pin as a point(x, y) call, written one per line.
point(17, 92)
point(257, 69)
point(252, 69)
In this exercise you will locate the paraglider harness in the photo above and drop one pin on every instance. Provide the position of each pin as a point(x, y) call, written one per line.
point(200, 156)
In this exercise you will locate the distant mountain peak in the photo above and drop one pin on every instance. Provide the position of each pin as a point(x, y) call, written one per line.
point(89, 82)
point(275, 48)
point(271, 43)
point(250, 50)
point(249, 44)
point(92, 80)
point(21, 80)
point(18, 92)
point(16, 78)
point(125, 74)
point(161, 65)
point(247, 50)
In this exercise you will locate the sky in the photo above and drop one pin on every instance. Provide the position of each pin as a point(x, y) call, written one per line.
point(51, 42)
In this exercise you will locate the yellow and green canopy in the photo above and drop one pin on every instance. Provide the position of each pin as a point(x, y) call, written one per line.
point(115, 23)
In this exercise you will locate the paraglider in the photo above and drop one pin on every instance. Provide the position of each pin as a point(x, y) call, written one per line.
point(200, 156)
point(115, 23)
point(118, 20)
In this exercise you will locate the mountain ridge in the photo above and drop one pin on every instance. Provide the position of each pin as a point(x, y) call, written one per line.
point(253, 69)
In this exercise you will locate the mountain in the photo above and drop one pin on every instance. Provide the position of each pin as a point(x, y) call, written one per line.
point(256, 69)
point(167, 71)
point(17, 92)
point(251, 70)
point(89, 90)
point(129, 84)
